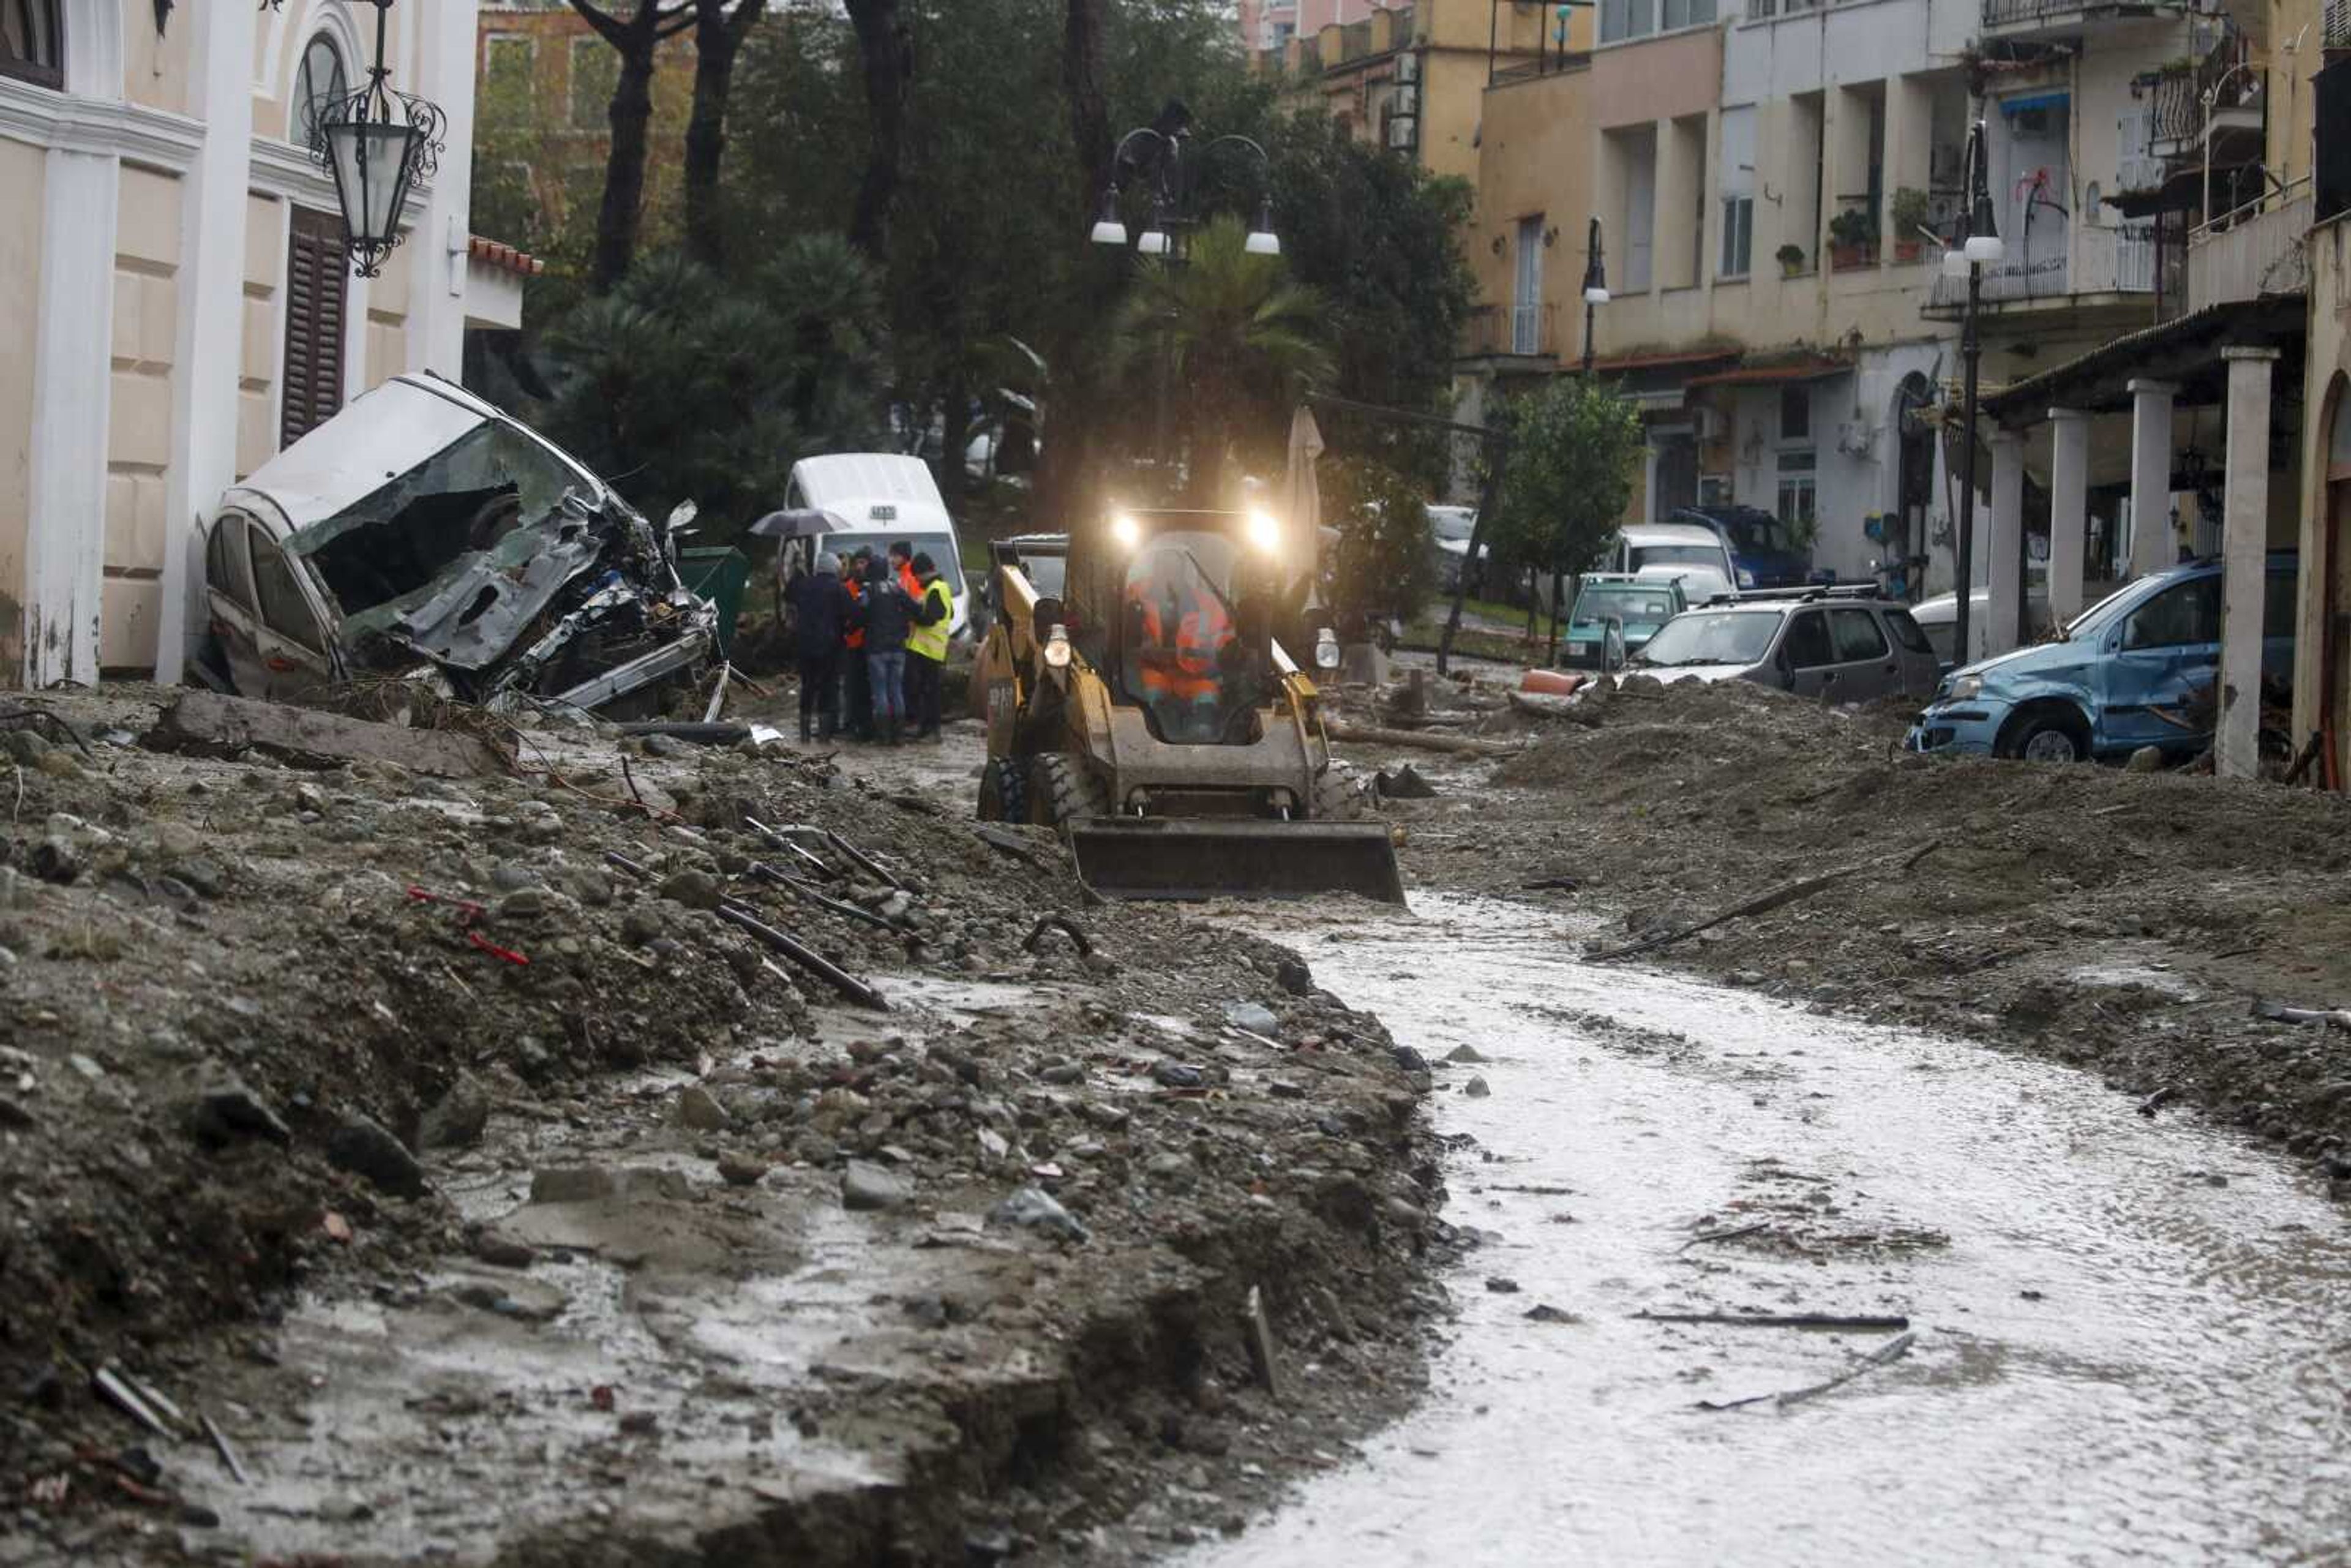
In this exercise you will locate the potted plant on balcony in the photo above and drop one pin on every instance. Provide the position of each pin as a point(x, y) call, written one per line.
point(1912, 212)
point(1790, 258)
point(1853, 239)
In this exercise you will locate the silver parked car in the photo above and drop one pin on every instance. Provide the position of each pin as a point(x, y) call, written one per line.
point(1845, 645)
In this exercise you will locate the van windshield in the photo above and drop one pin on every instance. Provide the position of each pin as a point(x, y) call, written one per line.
point(938, 547)
point(1677, 555)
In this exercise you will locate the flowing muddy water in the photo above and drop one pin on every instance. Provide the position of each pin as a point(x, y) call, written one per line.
point(2128, 1333)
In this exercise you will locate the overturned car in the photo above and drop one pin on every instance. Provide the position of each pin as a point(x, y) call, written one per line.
point(422, 533)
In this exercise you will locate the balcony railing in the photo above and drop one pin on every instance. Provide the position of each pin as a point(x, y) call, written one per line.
point(2181, 110)
point(1529, 331)
point(2024, 15)
point(2255, 251)
point(2105, 261)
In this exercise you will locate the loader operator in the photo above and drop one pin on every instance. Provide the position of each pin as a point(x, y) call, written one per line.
point(1178, 676)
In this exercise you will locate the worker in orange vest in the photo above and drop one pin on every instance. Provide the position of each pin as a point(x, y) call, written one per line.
point(857, 694)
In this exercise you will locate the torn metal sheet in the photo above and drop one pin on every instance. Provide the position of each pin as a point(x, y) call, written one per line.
point(422, 523)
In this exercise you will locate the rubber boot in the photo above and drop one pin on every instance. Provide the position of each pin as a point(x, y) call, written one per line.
point(896, 723)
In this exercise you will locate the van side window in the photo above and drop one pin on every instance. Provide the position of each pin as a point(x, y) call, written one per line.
point(226, 568)
point(1808, 642)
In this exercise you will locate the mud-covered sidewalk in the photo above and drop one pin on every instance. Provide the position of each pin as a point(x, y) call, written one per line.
point(2127, 923)
point(393, 1173)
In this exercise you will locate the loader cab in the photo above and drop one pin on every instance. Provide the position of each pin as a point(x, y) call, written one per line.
point(1192, 642)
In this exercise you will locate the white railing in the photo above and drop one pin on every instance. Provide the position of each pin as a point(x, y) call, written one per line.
point(2103, 261)
point(1526, 330)
point(2251, 251)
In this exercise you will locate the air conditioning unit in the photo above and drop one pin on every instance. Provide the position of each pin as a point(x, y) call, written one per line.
point(1404, 130)
point(1407, 100)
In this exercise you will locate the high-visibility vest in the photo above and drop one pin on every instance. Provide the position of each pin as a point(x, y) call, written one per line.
point(1191, 672)
point(931, 641)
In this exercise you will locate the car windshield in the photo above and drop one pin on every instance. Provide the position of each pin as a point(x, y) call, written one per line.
point(2107, 610)
point(1451, 522)
point(1713, 637)
point(1677, 555)
point(1629, 603)
point(1758, 533)
point(938, 547)
point(1046, 573)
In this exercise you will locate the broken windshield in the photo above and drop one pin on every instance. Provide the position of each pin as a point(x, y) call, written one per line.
point(462, 501)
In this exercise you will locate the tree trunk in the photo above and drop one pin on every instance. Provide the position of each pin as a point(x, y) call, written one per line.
point(1490, 495)
point(1085, 77)
point(717, 39)
point(1558, 592)
point(635, 40)
point(954, 421)
point(886, 50)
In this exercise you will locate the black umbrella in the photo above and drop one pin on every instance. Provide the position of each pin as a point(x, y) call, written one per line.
point(800, 523)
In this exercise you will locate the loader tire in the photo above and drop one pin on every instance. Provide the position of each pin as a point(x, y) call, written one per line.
point(1338, 798)
point(1060, 790)
point(1003, 791)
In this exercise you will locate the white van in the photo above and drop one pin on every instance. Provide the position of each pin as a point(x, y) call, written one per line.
point(885, 496)
point(1696, 555)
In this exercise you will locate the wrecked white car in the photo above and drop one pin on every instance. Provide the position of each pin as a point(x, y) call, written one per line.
point(420, 532)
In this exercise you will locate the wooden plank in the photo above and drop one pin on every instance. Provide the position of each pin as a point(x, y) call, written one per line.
point(209, 723)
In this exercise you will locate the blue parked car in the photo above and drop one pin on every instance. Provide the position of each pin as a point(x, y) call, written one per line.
point(1764, 552)
point(2103, 686)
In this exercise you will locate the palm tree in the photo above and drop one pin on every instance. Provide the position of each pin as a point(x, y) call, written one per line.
point(1236, 341)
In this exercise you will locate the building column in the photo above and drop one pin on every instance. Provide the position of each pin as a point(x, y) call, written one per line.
point(2151, 541)
point(442, 64)
point(2005, 575)
point(73, 332)
point(212, 326)
point(2244, 550)
point(2069, 510)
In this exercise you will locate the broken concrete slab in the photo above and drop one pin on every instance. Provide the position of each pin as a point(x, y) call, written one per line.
point(207, 722)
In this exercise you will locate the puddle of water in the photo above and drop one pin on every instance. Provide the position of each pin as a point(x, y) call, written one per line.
point(2117, 1358)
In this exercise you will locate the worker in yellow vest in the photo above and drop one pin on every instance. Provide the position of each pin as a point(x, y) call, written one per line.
point(927, 647)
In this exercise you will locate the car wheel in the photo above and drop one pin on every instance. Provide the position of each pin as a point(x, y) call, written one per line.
point(2048, 738)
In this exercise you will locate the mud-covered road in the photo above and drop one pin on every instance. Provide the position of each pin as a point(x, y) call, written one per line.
point(2122, 1332)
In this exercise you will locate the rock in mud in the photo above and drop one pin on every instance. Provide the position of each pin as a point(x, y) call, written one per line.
point(1030, 1209)
point(1409, 1059)
point(740, 1170)
point(457, 1122)
point(869, 1186)
point(1254, 1017)
point(571, 1184)
point(1476, 1088)
point(366, 1149)
point(2145, 759)
point(1469, 1054)
point(1295, 976)
point(506, 1251)
point(1176, 1075)
point(699, 1109)
point(54, 859)
point(228, 1111)
point(1502, 1285)
point(695, 889)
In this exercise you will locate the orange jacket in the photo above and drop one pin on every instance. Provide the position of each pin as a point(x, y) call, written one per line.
point(1200, 637)
point(854, 640)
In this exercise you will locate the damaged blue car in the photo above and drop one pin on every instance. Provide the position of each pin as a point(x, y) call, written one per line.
point(2135, 669)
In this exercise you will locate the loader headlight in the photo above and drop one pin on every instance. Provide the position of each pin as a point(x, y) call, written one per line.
point(1326, 649)
point(1264, 531)
point(1057, 648)
point(1125, 530)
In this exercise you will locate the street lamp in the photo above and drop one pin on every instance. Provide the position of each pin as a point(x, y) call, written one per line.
point(1162, 155)
point(375, 141)
point(1596, 289)
point(1980, 248)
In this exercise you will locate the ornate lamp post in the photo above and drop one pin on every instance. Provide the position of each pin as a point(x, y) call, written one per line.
point(375, 141)
point(1160, 153)
point(1979, 247)
point(1596, 290)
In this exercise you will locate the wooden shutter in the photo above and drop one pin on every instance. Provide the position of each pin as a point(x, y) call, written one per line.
point(318, 289)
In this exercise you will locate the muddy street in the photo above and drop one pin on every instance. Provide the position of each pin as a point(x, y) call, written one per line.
point(2122, 1332)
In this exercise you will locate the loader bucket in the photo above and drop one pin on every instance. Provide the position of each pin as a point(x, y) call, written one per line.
point(1201, 858)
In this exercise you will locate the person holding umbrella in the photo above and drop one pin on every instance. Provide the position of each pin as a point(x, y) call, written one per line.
point(821, 612)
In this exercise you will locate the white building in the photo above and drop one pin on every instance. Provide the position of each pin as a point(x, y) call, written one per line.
point(186, 304)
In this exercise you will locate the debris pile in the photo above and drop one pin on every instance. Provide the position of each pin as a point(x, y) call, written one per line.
point(279, 1036)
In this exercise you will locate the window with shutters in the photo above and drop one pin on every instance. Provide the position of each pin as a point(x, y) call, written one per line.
point(318, 291)
point(32, 41)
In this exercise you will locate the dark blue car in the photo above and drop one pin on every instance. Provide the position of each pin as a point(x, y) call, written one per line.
point(1763, 548)
point(2130, 671)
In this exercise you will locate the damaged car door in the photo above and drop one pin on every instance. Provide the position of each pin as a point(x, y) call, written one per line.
point(232, 656)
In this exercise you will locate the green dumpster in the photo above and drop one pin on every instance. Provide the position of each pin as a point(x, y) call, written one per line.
point(719, 574)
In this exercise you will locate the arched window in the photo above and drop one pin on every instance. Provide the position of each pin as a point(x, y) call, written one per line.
point(320, 83)
point(32, 41)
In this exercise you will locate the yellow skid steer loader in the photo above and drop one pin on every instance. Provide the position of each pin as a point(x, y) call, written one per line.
point(1152, 714)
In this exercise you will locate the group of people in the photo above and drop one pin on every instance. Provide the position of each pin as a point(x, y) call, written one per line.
point(872, 637)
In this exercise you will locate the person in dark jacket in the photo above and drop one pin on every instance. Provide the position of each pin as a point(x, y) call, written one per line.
point(820, 615)
point(856, 696)
point(886, 615)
